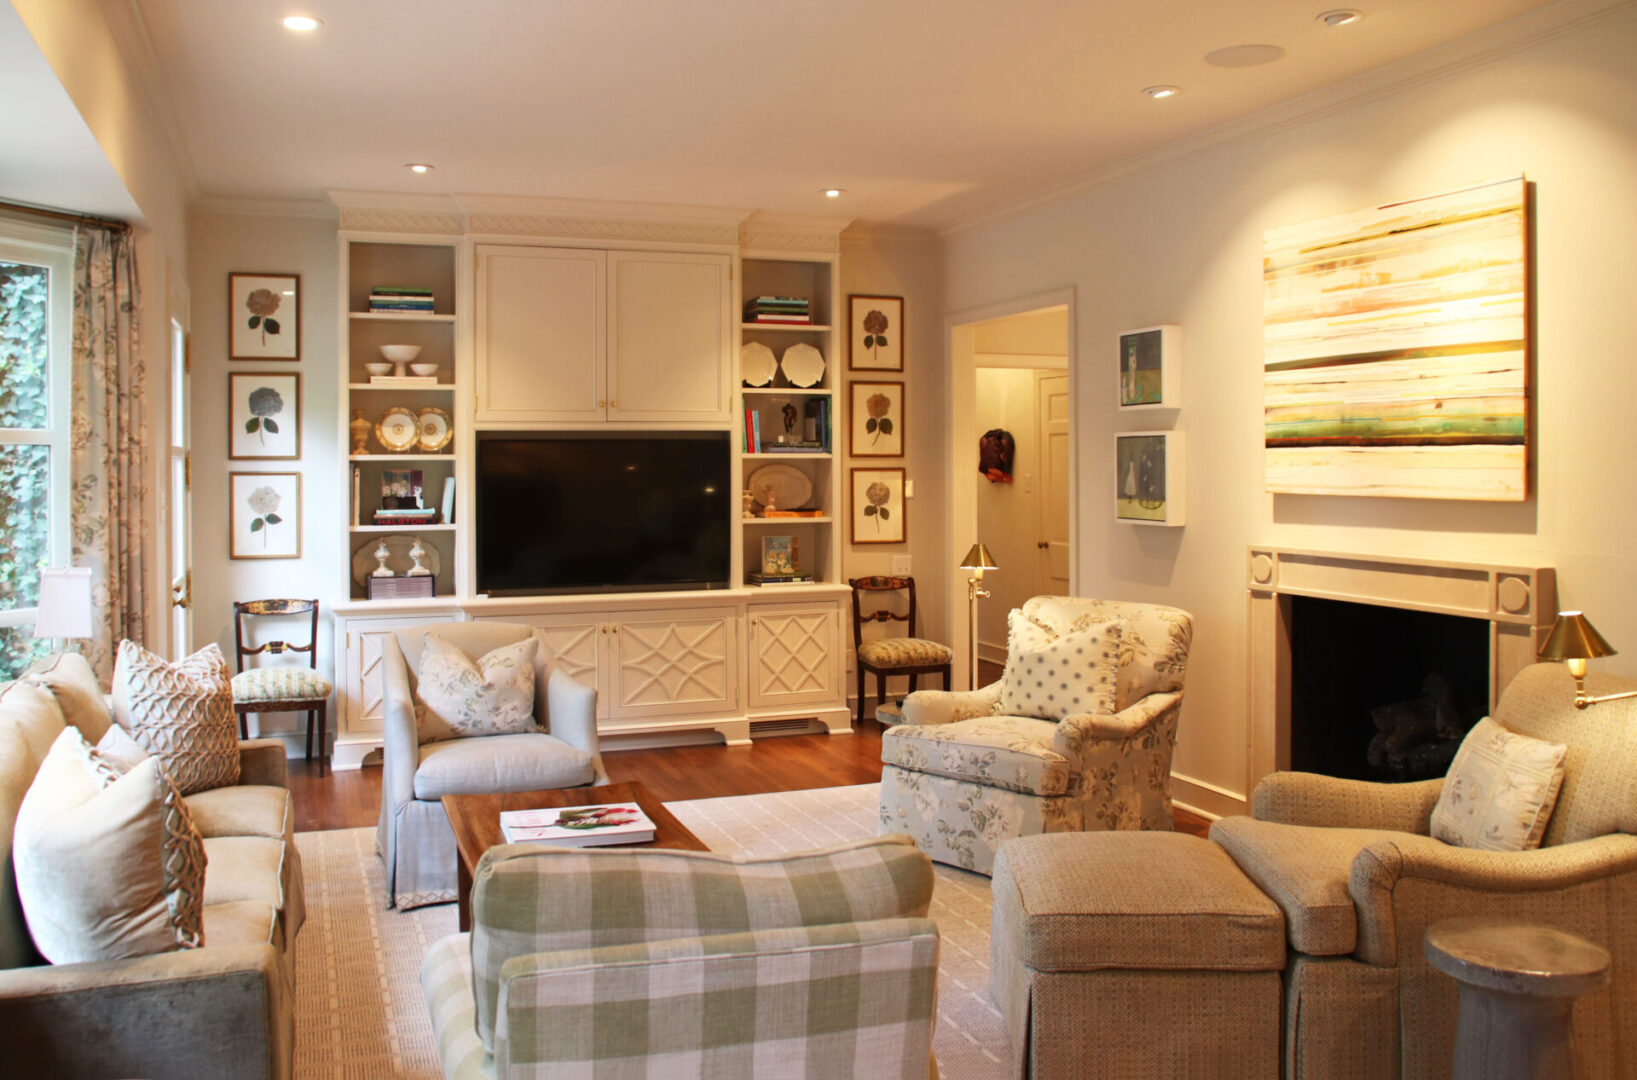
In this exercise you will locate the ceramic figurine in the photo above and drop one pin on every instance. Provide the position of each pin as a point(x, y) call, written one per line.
point(417, 552)
point(360, 429)
point(748, 502)
point(381, 554)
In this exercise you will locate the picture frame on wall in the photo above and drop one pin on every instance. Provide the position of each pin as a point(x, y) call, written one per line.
point(877, 420)
point(878, 506)
point(263, 316)
point(264, 415)
point(1150, 484)
point(264, 519)
point(1150, 368)
point(875, 335)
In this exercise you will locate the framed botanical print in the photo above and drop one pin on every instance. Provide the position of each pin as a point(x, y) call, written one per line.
point(877, 424)
point(878, 506)
point(264, 316)
point(263, 415)
point(264, 519)
point(875, 335)
point(1150, 487)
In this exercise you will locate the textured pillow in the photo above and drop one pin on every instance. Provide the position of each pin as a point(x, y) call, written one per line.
point(1053, 677)
point(107, 867)
point(1500, 790)
point(456, 698)
point(72, 682)
point(181, 713)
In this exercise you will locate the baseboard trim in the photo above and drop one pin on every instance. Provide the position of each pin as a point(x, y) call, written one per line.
point(1206, 799)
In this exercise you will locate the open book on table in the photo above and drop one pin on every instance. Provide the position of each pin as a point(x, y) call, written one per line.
point(578, 826)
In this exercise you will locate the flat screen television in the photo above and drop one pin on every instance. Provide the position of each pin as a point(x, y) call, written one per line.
point(579, 512)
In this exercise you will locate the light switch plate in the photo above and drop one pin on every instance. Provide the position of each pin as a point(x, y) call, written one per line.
point(909, 489)
point(900, 566)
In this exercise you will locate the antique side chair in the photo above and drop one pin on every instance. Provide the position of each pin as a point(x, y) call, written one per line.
point(910, 655)
point(284, 687)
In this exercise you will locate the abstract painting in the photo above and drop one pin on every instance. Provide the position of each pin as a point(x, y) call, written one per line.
point(1151, 368)
point(1149, 485)
point(1397, 349)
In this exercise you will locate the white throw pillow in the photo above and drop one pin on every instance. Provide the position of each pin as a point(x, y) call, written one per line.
point(181, 713)
point(1500, 790)
point(108, 867)
point(456, 698)
point(1052, 677)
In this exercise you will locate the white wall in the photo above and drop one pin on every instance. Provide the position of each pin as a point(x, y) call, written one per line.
point(1182, 243)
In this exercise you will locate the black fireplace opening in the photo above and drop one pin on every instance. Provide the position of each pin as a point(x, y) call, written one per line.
point(1382, 693)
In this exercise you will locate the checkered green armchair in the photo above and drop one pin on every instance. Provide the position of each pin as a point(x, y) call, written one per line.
point(610, 963)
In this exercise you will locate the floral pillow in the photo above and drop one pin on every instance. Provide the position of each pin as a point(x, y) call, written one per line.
point(459, 698)
point(1052, 677)
point(1500, 791)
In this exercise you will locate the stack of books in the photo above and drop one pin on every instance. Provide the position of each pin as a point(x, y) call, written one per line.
point(815, 432)
point(396, 300)
point(407, 516)
point(578, 826)
point(777, 309)
point(774, 580)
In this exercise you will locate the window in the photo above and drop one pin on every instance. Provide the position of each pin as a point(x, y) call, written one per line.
point(36, 296)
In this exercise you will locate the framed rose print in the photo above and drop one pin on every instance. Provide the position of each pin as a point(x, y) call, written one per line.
point(263, 415)
point(878, 506)
point(264, 520)
point(875, 335)
point(264, 316)
point(877, 427)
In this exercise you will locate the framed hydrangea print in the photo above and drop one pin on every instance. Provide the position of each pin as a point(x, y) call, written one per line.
point(878, 506)
point(875, 340)
point(263, 416)
point(264, 316)
point(265, 515)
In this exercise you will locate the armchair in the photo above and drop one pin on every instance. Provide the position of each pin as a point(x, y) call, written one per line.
point(1360, 880)
point(413, 836)
point(961, 775)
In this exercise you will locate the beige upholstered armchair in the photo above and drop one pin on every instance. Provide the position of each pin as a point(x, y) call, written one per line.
point(1360, 879)
point(963, 773)
point(414, 837)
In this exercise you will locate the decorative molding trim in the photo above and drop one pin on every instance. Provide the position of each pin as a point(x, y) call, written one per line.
point(130, 33)
point(1441, 61)
point(506, 224)
point(406, 221)
point(792, 232)
point(284, 208)
point(1206, 799)
point(1028, 361)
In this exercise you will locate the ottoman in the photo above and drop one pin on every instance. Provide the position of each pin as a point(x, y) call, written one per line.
point(1134, 954)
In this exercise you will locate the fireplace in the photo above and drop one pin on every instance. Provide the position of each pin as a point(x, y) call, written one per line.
point(1486, 622)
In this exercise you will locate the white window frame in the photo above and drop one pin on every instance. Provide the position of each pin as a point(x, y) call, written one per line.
point(52, 248)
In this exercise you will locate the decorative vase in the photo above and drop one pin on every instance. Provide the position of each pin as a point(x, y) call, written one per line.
point(360, 429)
point(382, 552)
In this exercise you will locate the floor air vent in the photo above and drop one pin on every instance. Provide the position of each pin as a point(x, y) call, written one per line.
point(780, 727)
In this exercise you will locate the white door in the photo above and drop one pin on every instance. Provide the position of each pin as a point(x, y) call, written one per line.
point(181, 498)
point(539, 334)
point(1052, 394)
point(669, 333)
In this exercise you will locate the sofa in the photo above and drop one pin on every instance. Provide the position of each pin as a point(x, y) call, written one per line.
point(225, 1009)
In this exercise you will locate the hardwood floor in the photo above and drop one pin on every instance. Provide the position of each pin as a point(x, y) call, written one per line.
point(347, 800)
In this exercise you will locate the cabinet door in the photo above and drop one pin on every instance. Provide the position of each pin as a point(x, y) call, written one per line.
point(675, 662)
point(669, 332)
point(793, 656)
point(363, 641)
point(572, 642)
point(539, 345)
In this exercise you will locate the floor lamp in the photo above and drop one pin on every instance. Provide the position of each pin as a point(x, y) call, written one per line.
point(976, 562)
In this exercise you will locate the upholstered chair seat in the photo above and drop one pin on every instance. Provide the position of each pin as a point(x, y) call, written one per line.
point(1011, 752)
point(501, 763)
point(904, 652)
point(279, 684)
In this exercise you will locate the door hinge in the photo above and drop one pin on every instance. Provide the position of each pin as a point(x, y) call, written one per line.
point(187, 354)
point(187, 471)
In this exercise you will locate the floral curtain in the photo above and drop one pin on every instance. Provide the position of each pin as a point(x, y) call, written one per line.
point(109, 440)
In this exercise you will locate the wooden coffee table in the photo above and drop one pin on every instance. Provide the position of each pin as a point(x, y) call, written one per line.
point(476, 821)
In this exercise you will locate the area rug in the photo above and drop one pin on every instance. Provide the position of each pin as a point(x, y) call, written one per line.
point(360, 1014)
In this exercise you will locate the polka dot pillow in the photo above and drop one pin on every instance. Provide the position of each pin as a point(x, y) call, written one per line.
point(1052, 677)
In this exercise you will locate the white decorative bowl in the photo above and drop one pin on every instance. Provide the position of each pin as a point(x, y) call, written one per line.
point(400, 354)
point(424, 369)
point(377, 367)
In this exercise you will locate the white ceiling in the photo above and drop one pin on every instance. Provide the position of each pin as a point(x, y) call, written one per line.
point(927, 111)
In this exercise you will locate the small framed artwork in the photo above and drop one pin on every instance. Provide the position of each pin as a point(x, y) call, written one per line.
point(265, 515)
point(1151, 368)
point(878, 506)
point(778, 556)
point(263, 415)
point(875, 337)
point(877, 420)
point(264, 316)
point(1150, 485)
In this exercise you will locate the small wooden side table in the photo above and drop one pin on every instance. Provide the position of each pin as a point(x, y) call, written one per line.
point(1519, 982)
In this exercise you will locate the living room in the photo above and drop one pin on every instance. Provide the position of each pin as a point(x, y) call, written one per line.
point(1157, 218)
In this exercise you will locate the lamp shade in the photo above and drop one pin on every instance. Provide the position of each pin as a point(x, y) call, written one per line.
point(1574, 638)
point(979, 559)
point(64, 610)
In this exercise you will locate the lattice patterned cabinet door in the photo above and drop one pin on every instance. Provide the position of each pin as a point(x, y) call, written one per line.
point(670, 662)
point(362, 641)
point(793, 656)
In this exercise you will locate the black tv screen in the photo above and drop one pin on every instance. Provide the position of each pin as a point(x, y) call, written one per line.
point(579, 512)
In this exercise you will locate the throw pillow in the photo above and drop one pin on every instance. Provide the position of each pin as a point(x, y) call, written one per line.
point(107, 867)
point(1500, 790)
point(181, 713)
point(70, 679)
point(1062, 676)
point(458, 698)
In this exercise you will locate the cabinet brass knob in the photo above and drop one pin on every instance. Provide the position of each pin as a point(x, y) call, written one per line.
point(1043, 544)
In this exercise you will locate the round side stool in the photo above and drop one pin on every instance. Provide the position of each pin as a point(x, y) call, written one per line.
point(1519, 982)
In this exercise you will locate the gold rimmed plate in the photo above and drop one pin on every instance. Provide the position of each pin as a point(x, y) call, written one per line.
point(434, 429)
point(398, 429)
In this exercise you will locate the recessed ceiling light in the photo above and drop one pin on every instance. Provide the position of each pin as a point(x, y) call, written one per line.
point(1157, 92)
point(418, 167)
point(304, 23)
point(1340, 17)
point(1238, 56)
point(833, 192)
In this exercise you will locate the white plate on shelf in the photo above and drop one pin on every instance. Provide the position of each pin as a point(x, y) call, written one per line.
point(803, 365)
point(791, 488)
point(398, 560)
point(756, 364)
point(398, 429)
point(434, 431)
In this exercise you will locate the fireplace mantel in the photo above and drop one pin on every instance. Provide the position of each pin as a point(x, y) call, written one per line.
point(1519, 604)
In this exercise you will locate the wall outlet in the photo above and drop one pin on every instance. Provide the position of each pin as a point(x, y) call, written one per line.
point(900, 566)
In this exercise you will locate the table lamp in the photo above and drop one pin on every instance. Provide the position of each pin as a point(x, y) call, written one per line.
point(1574, 640)
point(976, 562)
point(64, 608)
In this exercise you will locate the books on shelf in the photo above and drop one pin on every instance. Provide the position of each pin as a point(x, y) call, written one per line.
point(578, 826)
point(404, 380)
point(792, 513)
point(777, 309)
point(406, 517)
point(772, 581)
point(400, 300)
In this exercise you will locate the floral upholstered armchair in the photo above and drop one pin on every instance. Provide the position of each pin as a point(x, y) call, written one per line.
point(1077, 735)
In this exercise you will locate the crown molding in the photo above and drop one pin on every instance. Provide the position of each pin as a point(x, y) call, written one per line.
point(864, 232)
point(130, 33)
point(819, 233)
point(1440, 62)
point(284, 208)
